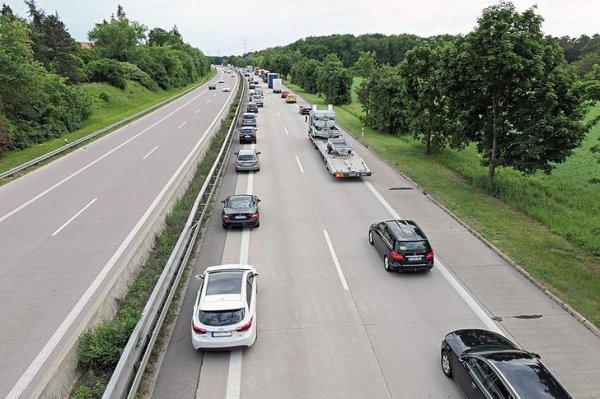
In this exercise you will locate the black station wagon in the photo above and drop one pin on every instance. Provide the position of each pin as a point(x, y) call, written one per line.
point(403, 245)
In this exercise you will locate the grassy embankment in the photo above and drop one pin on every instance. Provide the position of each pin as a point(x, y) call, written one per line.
point(120, 104)
point(550, 225)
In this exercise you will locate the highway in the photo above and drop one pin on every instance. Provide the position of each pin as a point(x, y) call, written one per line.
point(68, 228)
point(332, 323)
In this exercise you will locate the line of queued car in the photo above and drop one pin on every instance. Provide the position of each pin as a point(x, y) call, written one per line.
point(484, 364)
point(224, 314)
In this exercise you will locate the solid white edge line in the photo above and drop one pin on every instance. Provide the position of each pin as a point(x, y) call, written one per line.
point(286, 131)
point(73, 218)
point(335, 261)
point(299, 164)
point(182, 125)
point(58, 335)
point(151, 151)
point(234, 376)
point(460, 290)
point(382, 200)
point(72, 175)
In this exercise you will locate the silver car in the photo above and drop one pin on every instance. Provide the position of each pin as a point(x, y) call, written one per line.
point(247, 160)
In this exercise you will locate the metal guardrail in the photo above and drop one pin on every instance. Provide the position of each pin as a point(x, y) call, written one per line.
point(90, 136)
point(127, 376)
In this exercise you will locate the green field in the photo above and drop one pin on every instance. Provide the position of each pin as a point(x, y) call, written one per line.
point(550, 225)
point(121, 104)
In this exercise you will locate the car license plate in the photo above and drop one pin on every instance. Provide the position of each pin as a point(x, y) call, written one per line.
point(240, 217)
point(221, 334)
point(414, 257)
point(352, 174)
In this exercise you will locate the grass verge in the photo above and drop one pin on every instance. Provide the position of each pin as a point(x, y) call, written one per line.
point(100, 347)
point(121, 104)
point(548, 225)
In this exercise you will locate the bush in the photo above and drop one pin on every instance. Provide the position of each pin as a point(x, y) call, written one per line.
point(107, 70)
point(100, 348)
point(104, 96)
point(132, 72)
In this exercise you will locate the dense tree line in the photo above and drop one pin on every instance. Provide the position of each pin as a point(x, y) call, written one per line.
point(505, 87)
point(41, 67)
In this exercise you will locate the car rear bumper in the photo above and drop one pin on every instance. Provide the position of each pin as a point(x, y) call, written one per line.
point(240, 223)
point(408, 267)
point(247, 168)
point(206, 341)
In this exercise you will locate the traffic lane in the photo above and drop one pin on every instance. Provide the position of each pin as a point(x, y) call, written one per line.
point(214, 377)
point(304, 313)
point(31, 184)
point(180, 368)
point(505, 293)
point(406, 315)
point(34, 251)
point(67, 286)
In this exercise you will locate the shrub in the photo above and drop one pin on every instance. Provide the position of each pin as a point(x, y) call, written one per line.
point(132, 72)
point(104, 96)
point(107, 70)
point(100, 347)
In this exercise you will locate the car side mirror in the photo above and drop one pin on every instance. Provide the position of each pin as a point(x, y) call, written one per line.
point(199, 276)
point(235, 153)
point(223, 201)
point(255, 274)
point(258, 153)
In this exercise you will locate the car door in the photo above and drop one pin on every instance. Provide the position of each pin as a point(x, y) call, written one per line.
point(377, 236)
point(469, 377)
point(386, 241)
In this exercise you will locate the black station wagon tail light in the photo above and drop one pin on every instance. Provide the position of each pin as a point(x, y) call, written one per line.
point(226, 217)
point(245, 327)
point(429, 255)
point(396, 256)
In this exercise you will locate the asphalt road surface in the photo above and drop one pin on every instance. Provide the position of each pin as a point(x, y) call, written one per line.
point(64, 226)
point(332, 323)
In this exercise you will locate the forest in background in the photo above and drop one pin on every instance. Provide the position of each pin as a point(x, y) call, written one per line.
point(43, 69)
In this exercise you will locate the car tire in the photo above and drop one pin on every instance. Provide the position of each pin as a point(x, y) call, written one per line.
point(257, 224)
point(445, 363)
point(386, 263)
point(371, 237)
point(224, 225)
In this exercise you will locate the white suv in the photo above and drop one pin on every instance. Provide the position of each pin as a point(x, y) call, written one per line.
point(225, 309)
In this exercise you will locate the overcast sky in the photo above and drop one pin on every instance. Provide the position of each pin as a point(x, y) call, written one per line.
point(223, 27)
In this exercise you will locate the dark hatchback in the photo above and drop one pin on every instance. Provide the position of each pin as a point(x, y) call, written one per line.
point(252, 107)
point(403, 245)
point(304, 109)
point(247, 134)
point(487, 365)
point(241, 210)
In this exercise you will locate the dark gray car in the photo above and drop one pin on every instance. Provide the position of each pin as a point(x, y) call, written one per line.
point(248, 119)
point(241, 210)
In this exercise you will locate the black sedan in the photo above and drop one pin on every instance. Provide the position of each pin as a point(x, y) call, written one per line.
point(212, 87)
point(241, 210)
point(487, 365)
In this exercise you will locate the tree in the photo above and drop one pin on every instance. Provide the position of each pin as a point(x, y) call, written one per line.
point(334, 81)
point(425, 102)
point(381, 98)
point(366, 63)
point(118, 38)
point(511, 96)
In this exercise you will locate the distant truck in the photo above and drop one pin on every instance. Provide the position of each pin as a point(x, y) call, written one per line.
point(270, 78)
point(277, 85)
point(263, 75)
point(337, 152)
